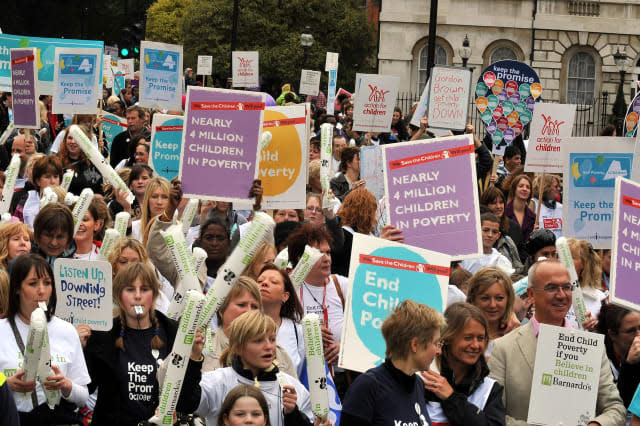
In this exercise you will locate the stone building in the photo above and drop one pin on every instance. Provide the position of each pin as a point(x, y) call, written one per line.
point(570, 43)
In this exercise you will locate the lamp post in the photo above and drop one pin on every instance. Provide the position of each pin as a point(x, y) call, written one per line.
point(306, 41)
point(619, 106)
point(465, 51)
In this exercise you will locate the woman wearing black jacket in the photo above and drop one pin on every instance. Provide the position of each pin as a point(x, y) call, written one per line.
point(123, 362)
point(463, 393)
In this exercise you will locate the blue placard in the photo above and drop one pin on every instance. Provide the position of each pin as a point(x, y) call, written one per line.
point(45, 57)
point(161, 83)
point(166, 144)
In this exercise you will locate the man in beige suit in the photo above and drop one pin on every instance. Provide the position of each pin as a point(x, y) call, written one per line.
point(514, 355)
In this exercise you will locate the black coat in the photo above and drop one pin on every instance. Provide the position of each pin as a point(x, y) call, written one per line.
point(102, 361)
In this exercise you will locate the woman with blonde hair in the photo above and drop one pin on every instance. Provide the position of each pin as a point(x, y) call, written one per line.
point(15, 239)
point(491, 290)
point(392, 393)
point(463, 393)
point(155, 203)
point(243, 297)
point(4, 293)
point(587, 264)
point(265, 255)
point(123, 362)
point(249, 360)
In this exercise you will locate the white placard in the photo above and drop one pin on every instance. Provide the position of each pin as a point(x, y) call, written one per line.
point(310, 82)
point(549, 125)
point(375, 98)
point(331, 63)
point(107, 73)
point(84, 292)
point(76, 80)
point(205, 65)
point(566, 376)
point(160, 75)
point(126, 66)
point(245, 67)
point(449, 93)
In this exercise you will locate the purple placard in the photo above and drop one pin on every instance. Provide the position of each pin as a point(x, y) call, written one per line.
point(431, 190)
point(625, 258)
point(24, 88)
point(220, 142)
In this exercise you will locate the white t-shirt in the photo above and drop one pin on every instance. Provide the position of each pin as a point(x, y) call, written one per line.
point(312, 299)
point(286, 338)
point(492, 259)
point(92, 255)
point(550, 219)
point(66, 354)
point(455, 295)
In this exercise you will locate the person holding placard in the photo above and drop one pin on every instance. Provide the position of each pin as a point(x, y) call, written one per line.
point(392, 393)
point(86, 175)
point(123, 362)
point(587, 264)
point(463, 394)
point(15, 240)
point(249, 359)
point(551, 208)
point(32, 283)
point(513, 356)
point(621, 328)
point(518, 204)
point(53, 233)
point(91, 231)
point(120, 147)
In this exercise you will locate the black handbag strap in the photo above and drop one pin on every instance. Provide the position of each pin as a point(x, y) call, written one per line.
point(16, 334)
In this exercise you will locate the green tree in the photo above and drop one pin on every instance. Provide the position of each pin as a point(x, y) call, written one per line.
point(273, 28)
point(164, 20)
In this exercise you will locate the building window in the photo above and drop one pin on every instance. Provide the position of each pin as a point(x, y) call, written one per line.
point(581, 79)
point(440, 59)
point(503, 54)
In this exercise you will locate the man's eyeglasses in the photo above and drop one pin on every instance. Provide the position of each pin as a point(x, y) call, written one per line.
point(555, 288)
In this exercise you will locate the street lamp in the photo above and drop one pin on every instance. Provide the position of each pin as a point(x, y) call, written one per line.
point(465, 51)
point(306, 40)
point(619, 106)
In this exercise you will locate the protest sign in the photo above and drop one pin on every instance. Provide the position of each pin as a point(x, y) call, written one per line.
point(205, 65)
point(551, 123)
point(372, 169)
point(107, 73)
point(126, 66)
point(566, 376)
point(432, 193)
point(340, 91)
point(421, 108)
point(219, 152)
point(245, 67)
point(111, 51)
point(331, 91)
point(24, 88)
point(283, 162)
point(160, 75)
point(382, 274)
point(77, 81)
point(449, 93)
point(591, 166)
point(45, 57)
point(310, 82)
point(166, 143)
point(118, 82)
point(112, 125)
point(506, 93)
point(331, 62)
point(375, 99)
point(625, 249)
point(631, 119)
point(84, 292)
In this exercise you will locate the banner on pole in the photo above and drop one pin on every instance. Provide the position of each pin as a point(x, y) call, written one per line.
point(375, 99)
point(310, 82)
point(77, 81)
point(551, 123)
point(205, 65)
point(245, 68)
point(24, 88)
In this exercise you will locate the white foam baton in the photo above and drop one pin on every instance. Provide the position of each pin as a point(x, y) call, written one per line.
point(577, 299)
point(326, 149)
point(67, 177)
point(179, 358)
point(48, 196)
point(10, 183)
point(70, 199)
point(184, 263)
point(108, 241)
point(316, 371)
point(7, 132)
point(45, 370)
point(265, 140)
point(81, 207)
point(33, 347)
point(282, 259)
point(199, 257)
point(188, 214)
point(261, 226)
point(307, 261)
point(122, 223)
point(5, 218)
point(99, 162)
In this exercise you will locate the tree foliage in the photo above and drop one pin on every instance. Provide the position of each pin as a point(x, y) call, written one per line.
point(273, 28)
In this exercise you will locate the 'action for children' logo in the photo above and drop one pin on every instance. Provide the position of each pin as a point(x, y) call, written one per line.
point(244, 62)
point(377, 95)
point(551, 127)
